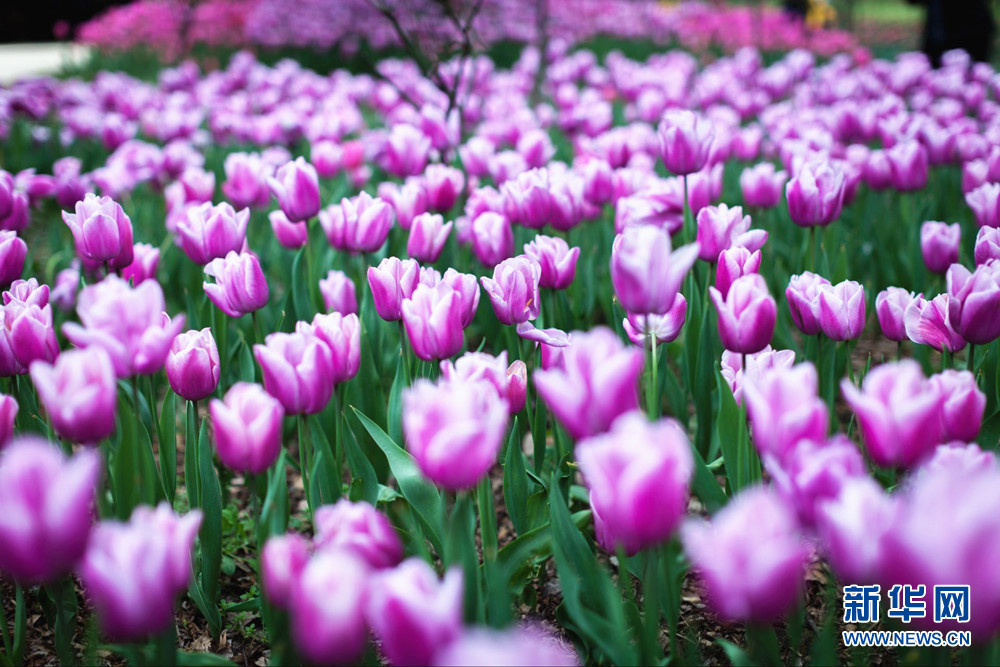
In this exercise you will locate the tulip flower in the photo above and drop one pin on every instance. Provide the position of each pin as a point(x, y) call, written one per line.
point(6, 194)
point(466, 287)
point(102, 231)
point(298, 371)
point(908, 161)
point(783, 408)
point(48, 500)
point(635, 467)
point(721, 228)
point(246, 427)
point(517, 645)
point(454, 429)
point(12, 254)
point(987, 245)
point(358, 528)
point(598, 180)
point(746, 315)
point(342, 334)
point(803, 301)
point(29, 292)
point(939, 243)
point(338, 293)
point(8, 413)
point(128, 323)
point(412, 613)
point(327, 606)
point(513, 289)
point(890, 307)
point(282, 561)
point(685, 141)
point(291, 235)
point(246, 180)
point(239, 287)
point(762, 185)
point(734, 263)
point(751, 557)
point(964, 405)
point(645, 272)
point(392, 281)
point(929, 323)
point(433, 321)
point(877, 171)
point(26, 334)
point(206, 231)
point(428, 234)
point(406, 151)
point(145, 260)
point(815, 194)
point(556, 259)
point(79, 394)
point(985, 204)
point(18, 218)
point(852, 527)
point(359, 225)
point(666, 328)
point(193, 365)
point(974, 302)
point(595, 382)
point(133, 572)
point(509, 381)
point(899, 412)
point(443, 185)
point(407, 200)
point(842, 310)
point(296, 187)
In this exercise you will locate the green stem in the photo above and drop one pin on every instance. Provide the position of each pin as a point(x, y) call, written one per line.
point(651, 610)
point(654, 387)
point(20, 626)
point(689, 230)
point(672, 597)
point(166, 646)
point(812, 250)
point(4, 632)
point(304, 456)
point(971, 365)
point(64, 621)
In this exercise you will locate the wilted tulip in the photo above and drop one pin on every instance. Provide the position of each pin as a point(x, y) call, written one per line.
point(746, 315)
point(630, 470)
point(282, 561)
point(298, 371)
point(815, 194)
point(645, 271)
point(783, 408)
point(392, 281)
point(246, 427)
point(79, 394)
point(102, 231)
point(52, 498)
point(890, 307)
point(842, 310)
point(595, 382)
point(132, 572)
point(145, 261)
point(296, 186)
point(974, 302)
point(803, 301)
point(358, 225)
point(428, 234)
point(939, 243)
point(342, 334)
point(721, 227)
point(206, 232)
point(358, 528)
point(751, 557)
point(193, 364)
point(899, 412)
point(556, 259)
point(513, 289)
point(412, 613)
point(666, 328)
point(963, 407)
point(12, 254)
point(685, 141)
point(239, 287)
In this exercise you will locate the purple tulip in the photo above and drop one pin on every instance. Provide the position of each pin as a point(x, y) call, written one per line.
point(298, 371)
point(509, 381)
point(762, 185)
point(939, 243)
point(513, 289)
point(48, 500)
point(929, 323)
point(596, 382)
point(751, 557)
point(19, 217)
point(282, 561)
point(206, 231)
point(815, 194)
point(102, 231)
point(638, 475)
point(492, 238)
point(359, 225)
point(985, 204)
point(964, 404)
point(974, 302)
point(803, 301)
point(454, 429)
point(520, 645)
point(408, 200)
point(685, 141)
point(734, 263)
point(296, 187)
point(556, 259)
point(27, 333)
point(132, 572)
point(29, 292)
point(360, 529)
point(433, 320)
point(412, 613)
point(406, 151)
point(783, 409)
point(842, 310)
point(746, 315)
point(646, 273)
point(598, 180)
point(852, 527)
point(721, 228)
point(79, 394)
point(738, 368)
point(877, 170)
point(127, 322)
point(443, 185)
point(193, 364)
point(987, 245)
point(338, 292)
point(291, 235)
point(246, 427)
point(890, 307)
point(246, 180)
point(666, 328)
point(466, 287)
point(392, 281)
point(342, 334)
point(8, 413)
point(6, 194)
point(428, 234)
point(908, 161)
point(239, 287)
point(13, 251)
point(899, 412)
point(145, 261)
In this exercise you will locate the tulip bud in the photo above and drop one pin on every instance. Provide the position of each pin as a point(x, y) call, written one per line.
point(296, 186)
point(239, 287)
point(939, 243)
point(985, 204)
point(338, 293)
point(282, 561)
point(433, 320)
point(102, 231)
point(842, 310)
point(193, 365)
point(342, 334)
point(783, 408)
point(246, 427)
point(428, 235)
point(762, 185)
point(298, 371)
point(79, 394)
point(12, 254)
point(513, 289)
point(721, 228)
point(685, 141)
point(747, 314)
point(964, 404)
point(359, 225)
point(392, 281)
point(291, 235)
point(815, 194)
point(466, 287)
point(890, 307)
point(27, 332)
point(803, 301)
point(974, 303)
point(646, 273)
point(556, 259)
point(358, 528)
point(734, 263)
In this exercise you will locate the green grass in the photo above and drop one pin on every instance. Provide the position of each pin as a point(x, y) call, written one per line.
point(890, 11)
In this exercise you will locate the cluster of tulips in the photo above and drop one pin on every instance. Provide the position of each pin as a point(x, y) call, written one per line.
point(633, 402)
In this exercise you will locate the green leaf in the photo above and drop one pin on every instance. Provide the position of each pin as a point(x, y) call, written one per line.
point(248, 369)
point(515, 482)
point(727, 427)
point(418, 491)
point(300, 290)
point(185, 659)
point(191, 481)
point(737, 656)
point(274, 512)
point(167, 437)
point(126, 480)
point(329, 477)
point(362, 472)
point(210, 534)
point(394, 418)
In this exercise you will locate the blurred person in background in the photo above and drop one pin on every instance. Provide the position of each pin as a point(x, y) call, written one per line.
point(958, 24)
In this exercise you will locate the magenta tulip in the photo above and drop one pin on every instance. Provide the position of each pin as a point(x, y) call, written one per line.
point(746, 315)
point(784, 408)
point(338, 292)
point(145, 261)
point(803, 301)
point(721, 227)
point(282, 561)
point(193, 364)
point(392, 281)
point(291, 235)
point(985, 204)
point(246, 428)
point(762, 185)
point(666, 328)
point(974, 302)
point(79, 394)
point(433, 321)
point(556, 259)
point(342, 334)
point(963, 407)
point(296, 187)
point(508, 380)
point(645, 271)
point(428, 234)
point(513, 289)
point(815, 194)
point(734, 263)
point(206, 231)
point(358, 225)
point(102, 231)
point(939, 243)
point(13, 252)
point(685, 141)
point(239, 287)
point(519, 645)
point(929, 323)
point(492, 238)
point(842, 310)
point(298, 371)
point(737, 369)
point(358, 528)
point(890, 307)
